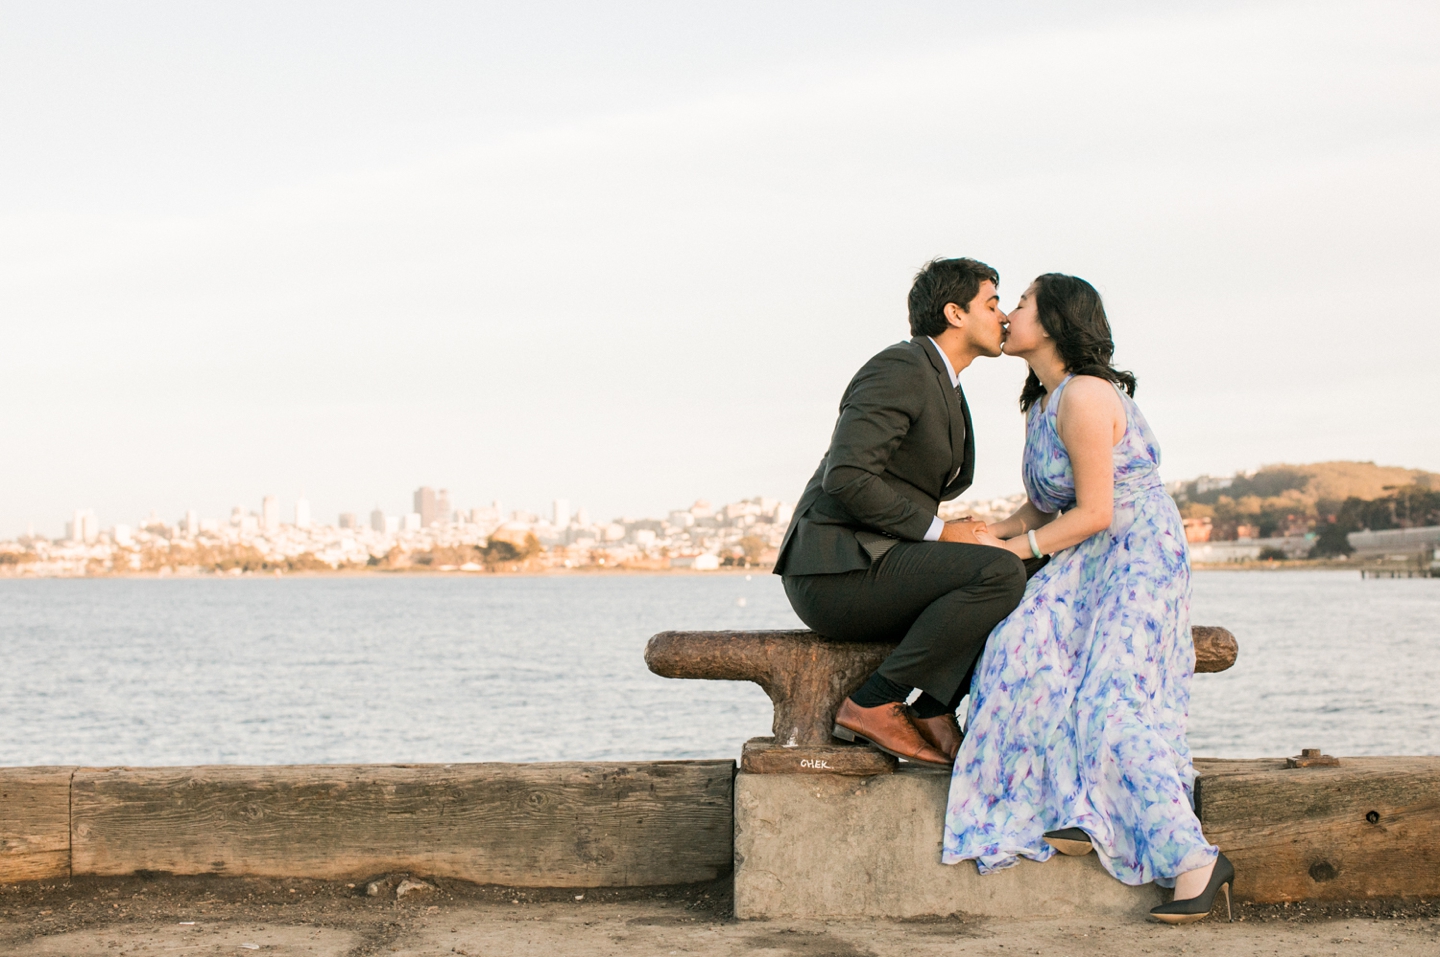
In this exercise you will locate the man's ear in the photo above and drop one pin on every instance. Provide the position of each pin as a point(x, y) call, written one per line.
point(955, 315)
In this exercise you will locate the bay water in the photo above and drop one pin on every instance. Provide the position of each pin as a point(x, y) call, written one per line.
point(401, 669)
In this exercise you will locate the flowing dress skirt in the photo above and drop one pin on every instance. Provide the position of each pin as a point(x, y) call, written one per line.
point(1078, 709)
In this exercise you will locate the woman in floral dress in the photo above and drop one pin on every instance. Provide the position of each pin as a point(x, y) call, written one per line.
point(1076, 729)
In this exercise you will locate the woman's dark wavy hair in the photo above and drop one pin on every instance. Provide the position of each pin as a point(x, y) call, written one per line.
point(1072, 314)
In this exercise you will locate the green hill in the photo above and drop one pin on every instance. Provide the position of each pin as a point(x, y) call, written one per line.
point(1324, 499)
point(1318, 482)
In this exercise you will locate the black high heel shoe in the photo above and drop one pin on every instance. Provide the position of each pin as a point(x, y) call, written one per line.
point(1198, 907)
point(1070, 841)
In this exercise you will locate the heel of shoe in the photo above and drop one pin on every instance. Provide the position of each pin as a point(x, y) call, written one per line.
point(1198, 908)
point(844, 734)
point(1070, 841)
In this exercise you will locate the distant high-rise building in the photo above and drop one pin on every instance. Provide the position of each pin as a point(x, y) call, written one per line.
point(377, 520)
point(122, 535)
point(270, 513)
point(443, 513)
point(560, 513)
point(392, 524)
point(425, 506)
point(348, 520)
point(582, 517)
point(302, 513)
point(412, 522)
point(83, 526)
point(192, 523)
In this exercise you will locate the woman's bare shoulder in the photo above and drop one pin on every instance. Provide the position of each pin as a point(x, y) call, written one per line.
point(1089, 396)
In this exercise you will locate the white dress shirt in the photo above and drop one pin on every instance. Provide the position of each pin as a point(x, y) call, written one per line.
point(936, 525)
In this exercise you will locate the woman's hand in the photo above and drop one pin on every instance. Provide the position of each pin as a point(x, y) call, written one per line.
point(983, 536)
point(1019, 545)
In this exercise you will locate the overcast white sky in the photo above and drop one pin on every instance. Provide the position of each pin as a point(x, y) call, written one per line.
point(630, 254)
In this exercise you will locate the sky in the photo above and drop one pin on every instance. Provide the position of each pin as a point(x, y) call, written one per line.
point(629, 254)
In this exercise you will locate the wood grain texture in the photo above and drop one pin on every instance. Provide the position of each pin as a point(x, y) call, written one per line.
point(34, 824)
point(1215, 649)
point(1368, 828)
point(535, 825)
point(764, 756)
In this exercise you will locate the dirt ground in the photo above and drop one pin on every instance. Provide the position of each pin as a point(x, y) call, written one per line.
point(160, 915)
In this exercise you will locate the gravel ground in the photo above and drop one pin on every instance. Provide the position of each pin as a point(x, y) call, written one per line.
point(142, 916)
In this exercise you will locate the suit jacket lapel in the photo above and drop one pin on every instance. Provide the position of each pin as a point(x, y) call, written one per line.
point(932, 352)
point(961, 435)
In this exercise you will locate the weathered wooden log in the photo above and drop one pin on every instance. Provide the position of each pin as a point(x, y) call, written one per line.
point(764, 756)
point(807, 675)
point(34, 823)
point(531, 825)
point(1215, 648)
point(1362, 829)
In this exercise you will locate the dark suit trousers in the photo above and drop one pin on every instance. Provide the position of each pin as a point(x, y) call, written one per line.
point(939, 600)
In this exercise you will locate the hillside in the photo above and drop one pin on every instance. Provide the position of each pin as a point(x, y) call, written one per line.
point(1327, 482)
point(1325, 500)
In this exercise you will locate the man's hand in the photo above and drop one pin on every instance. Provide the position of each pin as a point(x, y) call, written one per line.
point(962, 530)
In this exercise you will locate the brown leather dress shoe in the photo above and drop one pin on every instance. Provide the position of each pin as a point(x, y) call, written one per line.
point(889, 728)
point(941, 732)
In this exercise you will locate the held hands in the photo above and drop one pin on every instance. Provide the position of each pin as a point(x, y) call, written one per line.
point(967, 531)
point(973, 532)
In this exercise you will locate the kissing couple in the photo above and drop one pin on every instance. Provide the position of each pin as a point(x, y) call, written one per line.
point(1068, 623)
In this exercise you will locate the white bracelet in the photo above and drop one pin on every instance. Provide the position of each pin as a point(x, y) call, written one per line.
point(1034, 546)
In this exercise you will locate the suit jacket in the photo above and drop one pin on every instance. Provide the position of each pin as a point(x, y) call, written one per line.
point(902, 445)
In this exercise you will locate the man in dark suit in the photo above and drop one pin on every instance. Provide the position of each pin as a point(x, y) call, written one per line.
point(866, 557)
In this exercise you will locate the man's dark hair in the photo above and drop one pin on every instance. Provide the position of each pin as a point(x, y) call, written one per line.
point(942, 281)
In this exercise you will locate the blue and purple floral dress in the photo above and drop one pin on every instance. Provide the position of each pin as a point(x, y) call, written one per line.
point(1078, 707)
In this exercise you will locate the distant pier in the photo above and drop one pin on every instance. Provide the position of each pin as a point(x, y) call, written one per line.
point(1410, 572)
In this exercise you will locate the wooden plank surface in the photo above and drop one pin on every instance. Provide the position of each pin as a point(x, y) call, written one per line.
point(764, 756)
point(1368, 828)
point(34, 824)
point(535, 825)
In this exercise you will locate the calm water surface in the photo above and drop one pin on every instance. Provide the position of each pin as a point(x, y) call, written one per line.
point(380, 669)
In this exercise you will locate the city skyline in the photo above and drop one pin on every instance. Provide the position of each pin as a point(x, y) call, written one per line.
point(431, 507)
point(428, 504)
point(700, 537)
point(418, 514)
